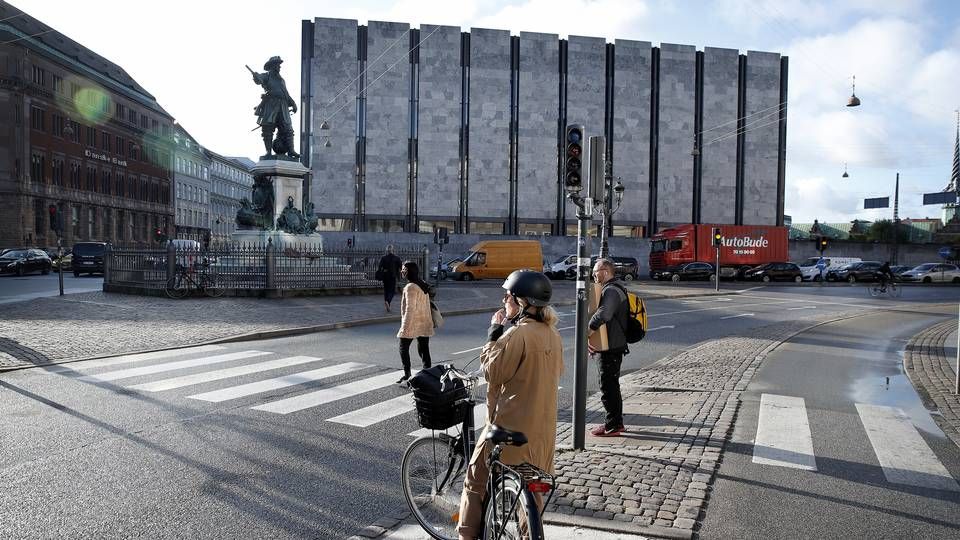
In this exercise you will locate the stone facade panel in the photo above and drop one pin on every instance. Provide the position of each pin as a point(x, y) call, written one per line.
point(631, 128)
point(537, 126)
point(586, 86)
point(761, 139)
point(719, 140)
point(676, 130)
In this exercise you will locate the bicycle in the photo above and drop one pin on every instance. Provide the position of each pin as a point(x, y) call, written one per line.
point(183, 281)
point(891, 289)
point(433, 469)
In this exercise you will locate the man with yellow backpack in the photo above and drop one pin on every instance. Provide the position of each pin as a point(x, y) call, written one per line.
point(625, 317)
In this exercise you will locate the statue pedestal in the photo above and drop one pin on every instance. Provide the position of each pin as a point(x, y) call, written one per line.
point(280, 240)
point(287, 178)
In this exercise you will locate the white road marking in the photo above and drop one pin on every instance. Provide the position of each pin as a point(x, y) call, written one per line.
point(735, 316)
point(567, 328)
point(133, 358)
point(328, 395)
point(208, 376)
point(802, 307)
point(295, 379)
point(379, 412)
point(783, 433)
point(469, 350)
point(719, 307)
point(479, 420)
point(171, 366)
point(902, 452)
point(670, 327)
point(750, 289)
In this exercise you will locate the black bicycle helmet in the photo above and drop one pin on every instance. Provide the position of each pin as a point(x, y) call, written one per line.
point(534, 286)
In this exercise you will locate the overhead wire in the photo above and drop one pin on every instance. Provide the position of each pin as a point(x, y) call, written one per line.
point(366, 68)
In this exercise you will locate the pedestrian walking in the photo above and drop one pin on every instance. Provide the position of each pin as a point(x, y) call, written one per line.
point(612, 312)
point(522, 367)
point(388, 271)
point(416, 320)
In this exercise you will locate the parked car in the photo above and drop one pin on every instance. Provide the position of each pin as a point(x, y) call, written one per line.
point(686, 272)
point(88, 258)
point(560, 267)
point(931, 272)
point(444, 268)
point(811, 272)
point(899, 269)
point(24, 261)
point(852, 273)
point(65, 263)
point(775, 271)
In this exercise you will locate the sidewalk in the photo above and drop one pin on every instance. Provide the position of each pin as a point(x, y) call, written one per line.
point(929, 361)
point(98, 324)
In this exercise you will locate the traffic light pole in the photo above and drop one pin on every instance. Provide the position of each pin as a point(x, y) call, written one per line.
point(717, 279)
point(60, 261)
point(584, 217)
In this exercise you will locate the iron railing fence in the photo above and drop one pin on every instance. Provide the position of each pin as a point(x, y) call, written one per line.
point(253, 267)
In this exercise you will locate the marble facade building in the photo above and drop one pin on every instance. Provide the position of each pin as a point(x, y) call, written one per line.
point(406, 129)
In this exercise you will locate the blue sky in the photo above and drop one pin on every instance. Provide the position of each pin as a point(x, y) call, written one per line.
point(905, 54)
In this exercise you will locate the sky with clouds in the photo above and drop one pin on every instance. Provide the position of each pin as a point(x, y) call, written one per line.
point(905, 55)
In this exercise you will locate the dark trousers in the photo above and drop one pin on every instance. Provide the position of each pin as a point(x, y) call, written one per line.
point(609, 367)
point(423, 348)
point(389, 289)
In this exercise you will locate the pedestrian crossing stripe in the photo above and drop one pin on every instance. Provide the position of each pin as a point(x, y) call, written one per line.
point(171, 366)
point(327, 395)
point(379, 412)
point(277, 383)
point(783, 433)
point(209, 376)
point(131, 358)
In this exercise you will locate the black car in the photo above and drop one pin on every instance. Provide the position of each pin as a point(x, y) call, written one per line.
point(686, 272)
point(852, 273)
point(24, 261)
point(777, 271)
point(626, 268)
point(88, 258)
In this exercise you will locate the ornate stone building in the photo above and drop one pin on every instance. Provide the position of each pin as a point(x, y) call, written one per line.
point(77, 132)
point(191, 187)
point(406, 129)
point(231, 180)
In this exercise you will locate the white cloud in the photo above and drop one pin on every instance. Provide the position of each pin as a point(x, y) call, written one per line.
point(933, 86)
point(803, 15)
point(817, 198)
point(601, 18)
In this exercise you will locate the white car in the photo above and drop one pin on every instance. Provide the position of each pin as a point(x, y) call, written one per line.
point(931, 272)
point(812, 273)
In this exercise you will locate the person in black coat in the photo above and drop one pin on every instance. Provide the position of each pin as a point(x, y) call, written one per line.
point(389, 271)
point(613, 312)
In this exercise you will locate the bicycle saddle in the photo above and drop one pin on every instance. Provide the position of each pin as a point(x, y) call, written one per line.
point(499, 435)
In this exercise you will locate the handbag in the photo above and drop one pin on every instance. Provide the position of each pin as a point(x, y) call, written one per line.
point(437, 316)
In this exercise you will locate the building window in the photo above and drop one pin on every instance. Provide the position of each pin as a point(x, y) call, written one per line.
point(38, 220)
point(385, 225)
point(165, 130)
point(58, 84)
point(57, 125)
point(91, 179)
point(105, 139)
point(144, 121)
point(133, 150)
point(75, 175)
point(74, 131)
point(107, 225)
point(120, 145)
point(38, 118)
point(132, 183)
point(535, 229)
point(120, 225)
point(37, 166)
point(91, 223)
point(121, 111)
point(91, 136)
point(57, 172)
point(39, 76)
point(486, 227)
point(155, 126)
point(105, 182)
point(118, 183)
point(75, 220)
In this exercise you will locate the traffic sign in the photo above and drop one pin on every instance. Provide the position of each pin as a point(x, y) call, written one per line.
point(946, 252)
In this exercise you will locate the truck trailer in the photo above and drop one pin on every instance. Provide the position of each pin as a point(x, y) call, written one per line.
point(742, 247)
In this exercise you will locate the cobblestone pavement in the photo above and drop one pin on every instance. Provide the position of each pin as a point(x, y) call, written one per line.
point(655, 479)
point(96, 324)
point(929, 368)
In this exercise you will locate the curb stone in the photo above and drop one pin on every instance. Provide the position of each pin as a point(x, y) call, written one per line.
point(926, 366)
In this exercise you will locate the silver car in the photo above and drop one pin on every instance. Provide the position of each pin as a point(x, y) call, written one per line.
point(933, 272)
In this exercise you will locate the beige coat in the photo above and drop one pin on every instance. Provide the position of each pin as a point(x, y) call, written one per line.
point(415, 317)
point(523, 371)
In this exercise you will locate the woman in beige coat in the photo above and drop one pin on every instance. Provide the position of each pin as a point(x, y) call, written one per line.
point(522, 367)
point(416, 319)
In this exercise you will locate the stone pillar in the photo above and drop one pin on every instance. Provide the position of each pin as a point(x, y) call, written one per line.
point(288, 178)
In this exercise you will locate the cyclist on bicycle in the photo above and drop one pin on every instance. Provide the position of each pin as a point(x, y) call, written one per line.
point(522, 366)
point(885, 275)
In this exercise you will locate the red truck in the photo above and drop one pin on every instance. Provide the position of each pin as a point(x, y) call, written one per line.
point(744, 246)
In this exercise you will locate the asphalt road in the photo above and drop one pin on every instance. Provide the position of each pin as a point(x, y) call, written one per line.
point(856, 475)
point(97, 457)
point(19, 289)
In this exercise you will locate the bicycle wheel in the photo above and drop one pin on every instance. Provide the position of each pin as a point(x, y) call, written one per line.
point(432, 475)
point(213, 286)
point(512, 513)
point(894, 290)
point(874, 290)
point(177, 287)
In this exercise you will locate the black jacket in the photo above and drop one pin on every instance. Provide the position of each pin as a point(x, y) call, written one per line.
point(612, 311)
point(390, 266)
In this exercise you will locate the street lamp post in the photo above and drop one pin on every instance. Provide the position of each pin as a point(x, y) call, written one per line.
point(607, 210)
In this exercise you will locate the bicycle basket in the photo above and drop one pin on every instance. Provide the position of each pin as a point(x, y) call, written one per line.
point(437, 404)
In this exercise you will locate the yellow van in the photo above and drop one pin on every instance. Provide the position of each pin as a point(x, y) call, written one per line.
point(497, 258)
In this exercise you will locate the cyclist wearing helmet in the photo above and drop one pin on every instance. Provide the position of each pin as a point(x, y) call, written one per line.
point(522, 366)
point(885, 275)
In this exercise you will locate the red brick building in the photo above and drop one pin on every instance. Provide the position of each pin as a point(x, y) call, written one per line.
point(77, 132)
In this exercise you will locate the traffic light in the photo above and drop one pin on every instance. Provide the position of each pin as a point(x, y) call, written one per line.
point(717, 237)
point(56, 223)
point(441, 235)
point(822, 243)
point(573, 158)
point(158, 235)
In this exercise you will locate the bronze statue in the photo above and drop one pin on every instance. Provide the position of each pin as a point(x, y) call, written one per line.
point(273, 112)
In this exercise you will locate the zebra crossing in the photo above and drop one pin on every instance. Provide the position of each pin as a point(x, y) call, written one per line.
point(214, 363)
point(784, 439)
